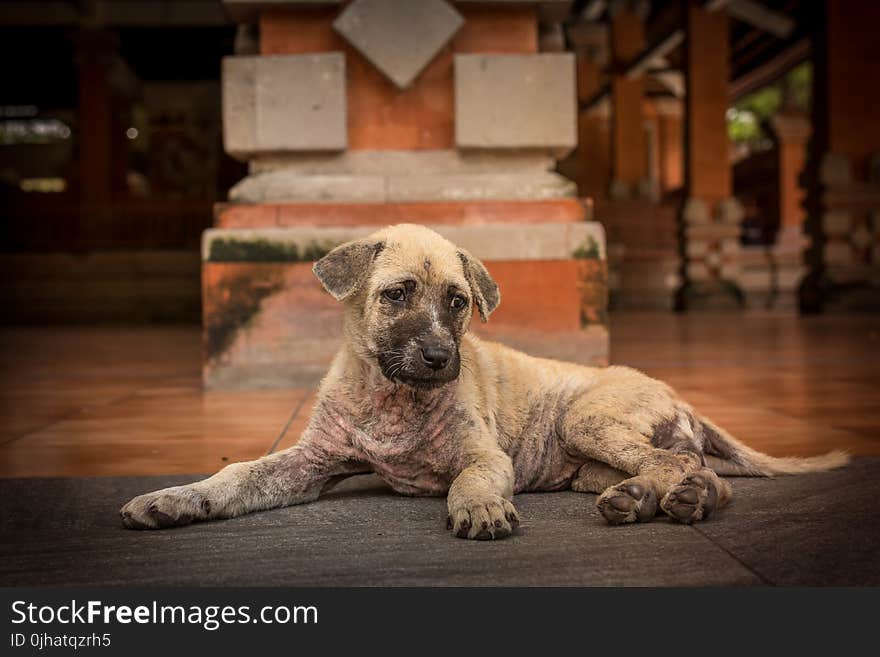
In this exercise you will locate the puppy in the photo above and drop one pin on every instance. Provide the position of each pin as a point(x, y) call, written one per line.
point(433, 410)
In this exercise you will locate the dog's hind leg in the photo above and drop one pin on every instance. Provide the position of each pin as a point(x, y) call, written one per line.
point(595, 477)
point(673, 477)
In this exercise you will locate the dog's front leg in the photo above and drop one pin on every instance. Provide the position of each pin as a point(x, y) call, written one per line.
point(293, 476)
point(479, 497)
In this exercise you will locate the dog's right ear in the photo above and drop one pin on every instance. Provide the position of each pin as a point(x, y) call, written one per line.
point(343, 270)
point(484, 288)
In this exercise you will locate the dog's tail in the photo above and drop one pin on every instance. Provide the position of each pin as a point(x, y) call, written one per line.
point(728, 456)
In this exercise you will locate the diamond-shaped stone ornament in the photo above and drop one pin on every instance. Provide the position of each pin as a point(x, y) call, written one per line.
point(399, 37)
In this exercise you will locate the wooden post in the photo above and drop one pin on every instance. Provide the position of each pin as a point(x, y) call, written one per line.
point(843, 169)
point(708, 170)
point(593, 155)
point(792, 132)
point(94, 140)
point(628, 145)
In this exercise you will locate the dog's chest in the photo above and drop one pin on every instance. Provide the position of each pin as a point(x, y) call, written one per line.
point(409, 439)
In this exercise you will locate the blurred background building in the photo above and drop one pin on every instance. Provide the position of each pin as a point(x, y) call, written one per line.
point(110, 156)
point(689, 187)
point(671, 155)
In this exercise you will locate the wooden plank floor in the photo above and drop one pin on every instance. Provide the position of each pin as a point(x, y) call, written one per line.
point(86, 401)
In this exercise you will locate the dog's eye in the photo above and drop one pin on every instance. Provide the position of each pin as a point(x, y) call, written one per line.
point(458, 302)
point(394, 294)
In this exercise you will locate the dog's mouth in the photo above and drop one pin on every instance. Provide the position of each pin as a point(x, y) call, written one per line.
point(418, 376)
point(423, 383)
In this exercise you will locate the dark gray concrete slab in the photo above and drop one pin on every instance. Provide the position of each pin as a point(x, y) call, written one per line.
point(66, 532)
point(818, 529)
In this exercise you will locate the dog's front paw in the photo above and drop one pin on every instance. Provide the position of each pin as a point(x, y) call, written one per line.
point(483, 520)
point(169, 507)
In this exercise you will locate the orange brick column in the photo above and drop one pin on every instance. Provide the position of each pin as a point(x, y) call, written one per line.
point(670, 143)
point(792, 132)
point(708, 171)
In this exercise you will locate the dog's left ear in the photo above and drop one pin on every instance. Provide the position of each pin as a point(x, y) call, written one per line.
point(342, 271)
point(483, 288)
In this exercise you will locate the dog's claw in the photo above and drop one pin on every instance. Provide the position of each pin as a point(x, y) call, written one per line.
point(485, 520)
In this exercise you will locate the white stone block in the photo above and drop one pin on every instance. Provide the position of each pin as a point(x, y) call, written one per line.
point(239, 105)
point(548, 241)
point(730, 271)
point(516, 101)
point(730, 211)
point(730, 247)
point(284, 185)
point(696, 248)
point(284, 103)
point(696, 211)
point(471, 187)
point(401, 162)
point(698, 271)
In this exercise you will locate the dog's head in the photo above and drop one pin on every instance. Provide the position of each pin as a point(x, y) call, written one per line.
point(409, 295)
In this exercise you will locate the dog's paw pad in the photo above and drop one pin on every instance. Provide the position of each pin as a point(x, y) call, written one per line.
point(629, 501)
point(695, 498)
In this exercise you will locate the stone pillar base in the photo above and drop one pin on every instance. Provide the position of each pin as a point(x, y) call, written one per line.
point(770, 277)
point(643, 255)
point(711, 246)
point(845, 254)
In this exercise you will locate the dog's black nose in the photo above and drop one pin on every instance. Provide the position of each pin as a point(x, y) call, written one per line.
point(435, 357)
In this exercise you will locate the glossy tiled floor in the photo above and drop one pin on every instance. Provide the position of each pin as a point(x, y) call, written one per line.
point(81, 401)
